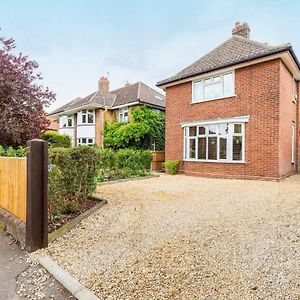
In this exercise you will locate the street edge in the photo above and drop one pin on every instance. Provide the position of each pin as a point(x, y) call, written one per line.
point(78, 290)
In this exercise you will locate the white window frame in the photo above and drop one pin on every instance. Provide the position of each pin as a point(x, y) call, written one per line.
point(122, 112)
point(86, 113)
point(293, 145)
point(66, 119)
point(80, 141)
point(294, 90)
point(221, 75)
point(229, 148)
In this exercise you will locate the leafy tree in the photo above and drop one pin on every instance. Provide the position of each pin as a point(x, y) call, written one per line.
point(22, 98)
point(147, 127)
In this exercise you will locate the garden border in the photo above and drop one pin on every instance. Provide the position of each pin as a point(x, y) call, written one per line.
point(70, 225)
point(127, 179)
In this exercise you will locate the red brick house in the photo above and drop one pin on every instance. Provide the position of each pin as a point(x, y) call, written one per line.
point(234, 113)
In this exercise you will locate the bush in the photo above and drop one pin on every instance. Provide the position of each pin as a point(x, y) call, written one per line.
point(147, 128)
point(56, 140)
point(123, 163)
point(172, 166)
point(72, 177)
point(12, 152)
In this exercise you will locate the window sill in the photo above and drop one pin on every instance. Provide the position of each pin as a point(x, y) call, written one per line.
point(216, 161)
point(213, 99)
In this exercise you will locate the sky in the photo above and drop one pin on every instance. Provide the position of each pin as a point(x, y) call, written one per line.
point(75, 42)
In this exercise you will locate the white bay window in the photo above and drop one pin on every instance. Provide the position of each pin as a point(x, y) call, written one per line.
point(219, 142)
point(86, 141)
point(214, 87)
point(86, 116)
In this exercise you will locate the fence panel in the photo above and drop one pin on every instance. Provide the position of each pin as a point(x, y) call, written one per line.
point(13, 180)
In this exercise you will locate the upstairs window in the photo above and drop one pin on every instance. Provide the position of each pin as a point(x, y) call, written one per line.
point(66, 121)
point(87, 116)
point(214, 87)
point(123, 114)
point(294, 91)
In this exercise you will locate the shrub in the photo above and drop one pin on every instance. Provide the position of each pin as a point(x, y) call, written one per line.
point(123, 163)
point(72, 177)
point(56, 140)
point(2, 151)
point(172, 166)
point(12, 152)
point(147, 128)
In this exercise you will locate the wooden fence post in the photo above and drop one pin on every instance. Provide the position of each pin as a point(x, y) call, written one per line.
point(37, 195)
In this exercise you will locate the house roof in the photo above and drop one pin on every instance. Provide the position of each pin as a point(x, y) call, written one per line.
point(131, 93)
point(233, 51)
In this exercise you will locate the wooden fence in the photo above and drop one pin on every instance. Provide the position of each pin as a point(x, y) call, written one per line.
point(13, 191)
point(158, 157)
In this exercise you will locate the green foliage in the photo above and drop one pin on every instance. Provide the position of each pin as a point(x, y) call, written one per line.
point(12, 152)
point(147, 127)
point(72, 177)
point(123, 163)
point(172, 166)
point(56, 140)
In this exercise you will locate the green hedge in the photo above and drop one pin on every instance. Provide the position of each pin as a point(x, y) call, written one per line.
point(12, 152)
point(72, 177)
point(123, 163)
point(56, 140)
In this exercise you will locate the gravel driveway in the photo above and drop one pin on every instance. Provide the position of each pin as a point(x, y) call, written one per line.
point(180, 237)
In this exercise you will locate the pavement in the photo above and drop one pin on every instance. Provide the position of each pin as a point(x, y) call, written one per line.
point(20, 278)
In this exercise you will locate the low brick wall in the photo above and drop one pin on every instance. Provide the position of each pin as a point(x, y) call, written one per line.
point(14, 226)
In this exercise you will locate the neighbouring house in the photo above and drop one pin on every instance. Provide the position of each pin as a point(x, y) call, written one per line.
point(83, 119)
point(235, 111)
point(53, 125)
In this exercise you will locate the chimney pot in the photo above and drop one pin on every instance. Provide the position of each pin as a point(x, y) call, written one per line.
point(103, 84)
point(242, 30)
point(127, 83)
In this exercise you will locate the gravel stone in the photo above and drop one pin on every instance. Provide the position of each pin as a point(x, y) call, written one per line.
point(180, 237)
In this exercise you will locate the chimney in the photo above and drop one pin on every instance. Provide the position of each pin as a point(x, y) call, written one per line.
point(127, 83)
point(242, 30)
point(103, 84)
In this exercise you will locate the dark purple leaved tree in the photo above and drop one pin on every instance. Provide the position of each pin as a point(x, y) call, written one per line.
point(22, 97)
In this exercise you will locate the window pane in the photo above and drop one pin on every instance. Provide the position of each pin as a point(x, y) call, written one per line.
point(198, 90)
point(201, 130)
point(223, 148)
point(90, 118)
point(237, 148)
point(212, 129)
point(223, 129)
point(237, 128)
point(228, 84)
point(213, 91)
point(217, 79)
point(70, 122)
point(90, 141)
point(207, 81)
point(192, 148)
point(83, 118)
point(83, 141)
point(202, 148)
point(212, 148)
point(193, 131)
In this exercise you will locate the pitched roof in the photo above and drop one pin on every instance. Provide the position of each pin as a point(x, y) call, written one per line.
point(136, 92)
point(235, 50)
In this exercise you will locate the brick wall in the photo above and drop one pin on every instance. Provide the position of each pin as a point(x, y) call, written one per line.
point(288, 118)
point(259, 95)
